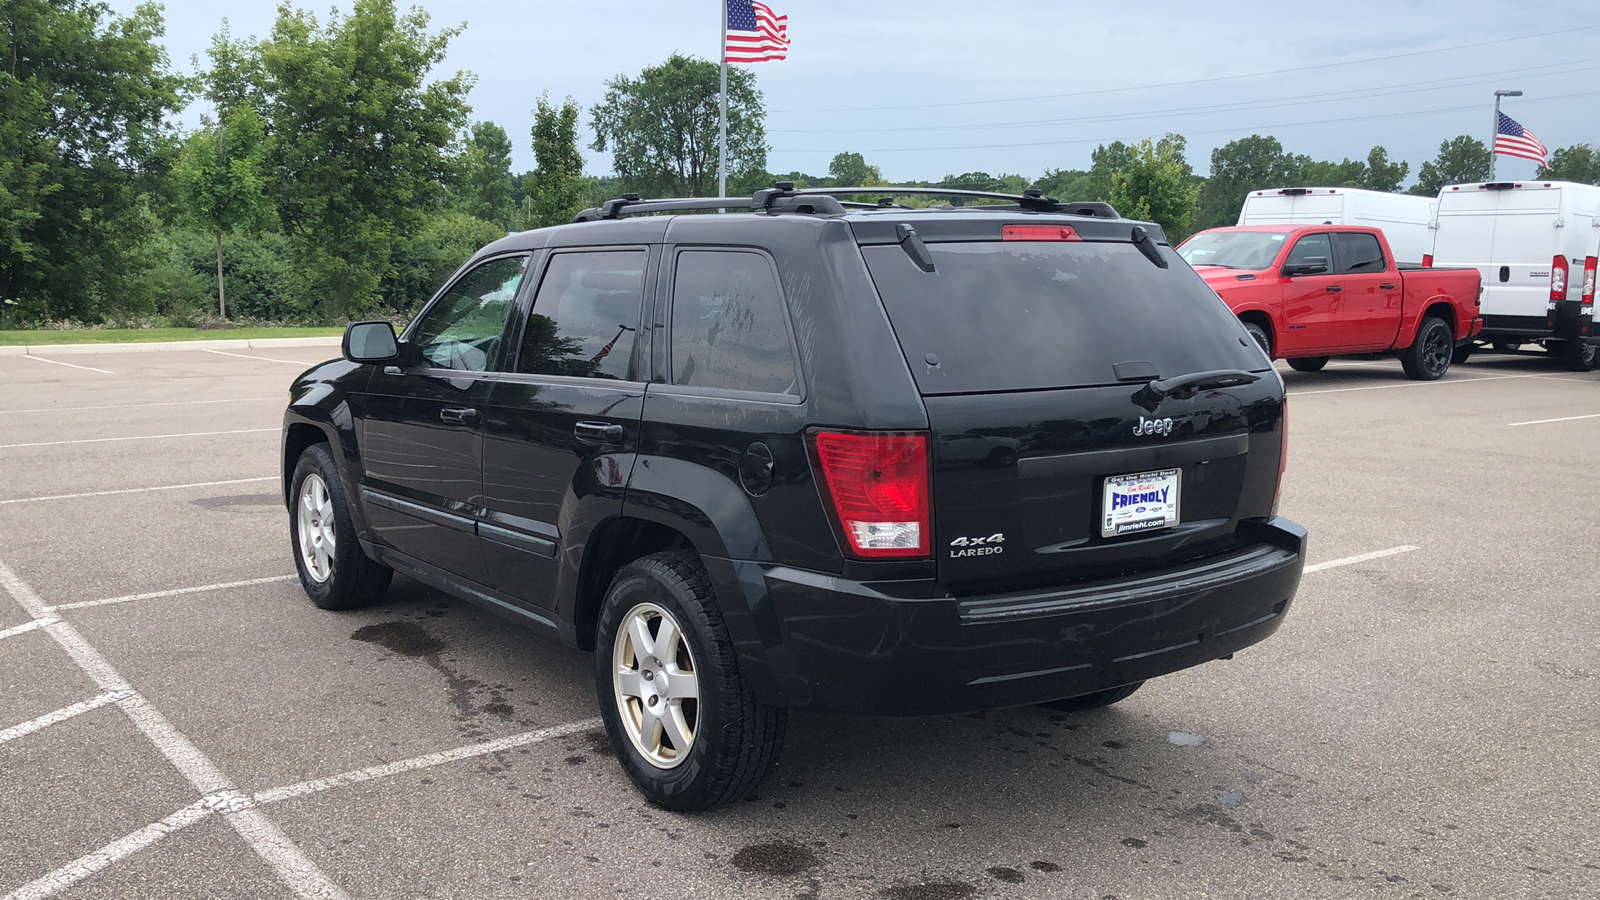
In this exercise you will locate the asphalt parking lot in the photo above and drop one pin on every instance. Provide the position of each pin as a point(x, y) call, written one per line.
point(177, 720)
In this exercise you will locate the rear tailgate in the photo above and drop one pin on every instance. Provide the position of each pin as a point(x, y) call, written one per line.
point(1029, 356)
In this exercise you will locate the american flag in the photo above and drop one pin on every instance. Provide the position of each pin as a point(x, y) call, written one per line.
point(755, 33)
point(1511, 139)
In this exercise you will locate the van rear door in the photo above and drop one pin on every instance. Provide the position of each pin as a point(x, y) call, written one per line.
point(1030, 356)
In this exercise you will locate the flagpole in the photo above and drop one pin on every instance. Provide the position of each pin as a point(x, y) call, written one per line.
point(1494, 133)
point(722, 106)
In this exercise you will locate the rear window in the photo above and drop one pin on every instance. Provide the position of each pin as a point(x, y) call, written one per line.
point(1025, 315)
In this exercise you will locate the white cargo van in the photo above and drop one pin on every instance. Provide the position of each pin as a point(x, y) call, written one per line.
point(1403, 218)
point(1535, 243)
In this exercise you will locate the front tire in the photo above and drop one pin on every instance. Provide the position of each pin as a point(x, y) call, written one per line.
point(684, 723)
point(334, 571)
point(1096, 700)
point(1259, 335)
point(1428, 357)
point(1308, 363)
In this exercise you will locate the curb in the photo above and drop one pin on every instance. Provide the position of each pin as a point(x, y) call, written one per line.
point(136, 347)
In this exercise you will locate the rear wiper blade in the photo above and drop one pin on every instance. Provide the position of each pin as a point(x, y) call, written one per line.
point(1147, 246)
point(1182, 387)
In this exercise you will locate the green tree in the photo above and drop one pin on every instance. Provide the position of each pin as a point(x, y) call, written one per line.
point(222, 182)
point(486, 190)
point(1237, 168)
point(556, 186)
point(661, 127)
point(1382, 175)
point(84, 100)
point(851, 170)
point(1580, 163)
point(1155, 183)
point(361, 144)
point(1461, 160)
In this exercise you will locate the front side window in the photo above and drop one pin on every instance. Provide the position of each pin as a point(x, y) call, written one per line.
point(1314, 246)
point(1359, 253)
point(462, 330)
point(586, 316)
point(728, 326)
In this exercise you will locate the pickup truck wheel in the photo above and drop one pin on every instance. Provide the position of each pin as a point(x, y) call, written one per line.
point(1096, 700)
point(1308, 363)
point(334, 571)
point(1462, 353)
point(1579, 355)
point(1428, 357)
point(1262, 339)
point(683, 721)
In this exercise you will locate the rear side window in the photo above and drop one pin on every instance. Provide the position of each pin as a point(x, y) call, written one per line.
point(585, 316)
point(728, 328)
point(1359, 253)
point(1006, 316)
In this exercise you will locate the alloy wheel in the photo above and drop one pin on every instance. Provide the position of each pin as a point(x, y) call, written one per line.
point(1436, 350)
point(315, 528)
point(657, 685)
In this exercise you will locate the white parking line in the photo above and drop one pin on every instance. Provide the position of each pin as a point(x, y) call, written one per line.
point(60, 715)
point(26, 627)
point(294, 868)
point(52, 409)
point(1417, 384)
point(137, 437)
point(292, 362)
point(154, 595)
point(1360, 558)
point(85, 866)
point(142, 490)
point(72, 365)
point(1562, 419)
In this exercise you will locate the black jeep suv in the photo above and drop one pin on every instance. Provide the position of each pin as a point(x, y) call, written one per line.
point(812, 454)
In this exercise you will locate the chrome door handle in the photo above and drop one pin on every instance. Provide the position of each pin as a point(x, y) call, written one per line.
point(458, 415)
point(598, 432)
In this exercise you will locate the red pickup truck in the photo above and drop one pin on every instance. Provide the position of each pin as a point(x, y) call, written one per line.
point(1310, 292)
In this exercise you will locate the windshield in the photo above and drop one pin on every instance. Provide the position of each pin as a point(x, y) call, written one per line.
point(1233, 249)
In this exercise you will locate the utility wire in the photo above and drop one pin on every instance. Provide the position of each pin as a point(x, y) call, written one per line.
point(1191, 81)
point(1438, 84)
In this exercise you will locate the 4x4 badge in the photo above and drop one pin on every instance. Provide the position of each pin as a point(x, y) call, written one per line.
point(1153, 426)
point(978, 546)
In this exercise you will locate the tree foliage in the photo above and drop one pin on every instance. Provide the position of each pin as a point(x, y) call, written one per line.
point(1580, 163)
point(1461, 160)
point(1152, 181)
point(486, 190)
point(84, 96)
point(223, 186)
point(361, 143)
point(661, 127)
point(556, 187)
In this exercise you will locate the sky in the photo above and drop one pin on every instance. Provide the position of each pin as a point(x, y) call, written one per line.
point(938, 87)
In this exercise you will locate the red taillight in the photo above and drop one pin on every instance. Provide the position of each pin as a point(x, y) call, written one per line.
point(1039, 233)
point(879, 487)
point(1427, 260)
point(1588, 280)
point(1283, 454)
point(1558, 279)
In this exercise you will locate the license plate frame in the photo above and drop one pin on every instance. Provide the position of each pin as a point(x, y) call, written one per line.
point(1138, 517)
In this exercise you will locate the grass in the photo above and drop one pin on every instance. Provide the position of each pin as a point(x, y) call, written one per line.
point(141, 335)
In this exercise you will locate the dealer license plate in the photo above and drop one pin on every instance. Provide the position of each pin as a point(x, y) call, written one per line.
point(1147, 501)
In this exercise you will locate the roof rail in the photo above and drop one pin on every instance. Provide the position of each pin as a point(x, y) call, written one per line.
point(769, 200)
point(1031, 200)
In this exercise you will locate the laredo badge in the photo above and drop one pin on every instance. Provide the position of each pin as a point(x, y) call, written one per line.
point(978, 546)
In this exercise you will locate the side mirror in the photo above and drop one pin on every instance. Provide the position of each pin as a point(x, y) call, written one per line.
point(370, 342)
point(1310, 265)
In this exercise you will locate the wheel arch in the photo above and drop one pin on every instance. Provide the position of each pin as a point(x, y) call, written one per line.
point(612, 544)
point(1263, 318)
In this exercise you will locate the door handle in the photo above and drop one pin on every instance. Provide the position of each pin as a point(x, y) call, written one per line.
point(1385, 287)
point(1334, 288)
point(458, 415)
point(598, 432)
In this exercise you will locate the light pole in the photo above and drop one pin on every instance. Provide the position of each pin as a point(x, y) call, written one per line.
point(1494, 131)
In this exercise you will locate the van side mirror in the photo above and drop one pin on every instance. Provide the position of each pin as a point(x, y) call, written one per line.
point(1310, 265)
point(370, 342)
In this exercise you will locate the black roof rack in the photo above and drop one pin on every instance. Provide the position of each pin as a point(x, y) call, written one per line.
point(783, 197)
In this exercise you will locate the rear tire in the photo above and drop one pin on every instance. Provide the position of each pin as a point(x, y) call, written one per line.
point(1096, 700)
point(334, 571)
point(1308, 363)
point(1579, 355)
point(1259, 334)
point(1428, 357)
point(733, 740)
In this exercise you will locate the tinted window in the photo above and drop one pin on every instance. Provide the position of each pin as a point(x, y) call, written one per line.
point(1019, 315)
point(728, 324)
point(586, 315)
point(1308, 248)
point(1233, 249)
point(1359, 253)
point(462, 330)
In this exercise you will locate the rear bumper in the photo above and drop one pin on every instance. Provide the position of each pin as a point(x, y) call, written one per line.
point(815, 641)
